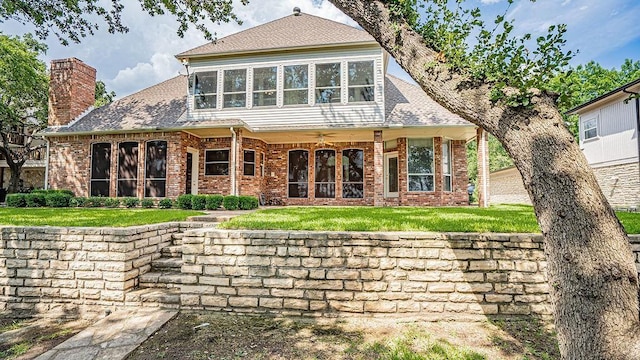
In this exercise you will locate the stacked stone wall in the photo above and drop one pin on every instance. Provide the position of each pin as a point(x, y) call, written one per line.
point(52, 269)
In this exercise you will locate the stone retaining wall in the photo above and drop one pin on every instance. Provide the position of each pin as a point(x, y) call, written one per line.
point(44, 269)
point(434, 275)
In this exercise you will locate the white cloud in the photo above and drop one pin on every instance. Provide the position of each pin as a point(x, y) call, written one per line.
point(490, 1)
point(161, 66)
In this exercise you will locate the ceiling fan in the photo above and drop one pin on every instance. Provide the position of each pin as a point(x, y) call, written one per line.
point(322, 142)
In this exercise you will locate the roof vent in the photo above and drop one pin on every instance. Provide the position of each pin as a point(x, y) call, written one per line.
point(296, 11)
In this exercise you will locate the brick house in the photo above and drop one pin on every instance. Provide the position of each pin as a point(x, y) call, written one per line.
point(282, 110)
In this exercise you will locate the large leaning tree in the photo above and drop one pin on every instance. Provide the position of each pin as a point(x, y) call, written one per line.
point(498, 84)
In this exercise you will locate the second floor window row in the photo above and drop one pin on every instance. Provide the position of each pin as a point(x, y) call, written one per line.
point(326, 82)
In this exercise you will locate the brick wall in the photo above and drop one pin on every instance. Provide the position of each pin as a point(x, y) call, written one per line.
point(51, 269)
point(72, 89)
point(433, 275)
point(620, 184)
point(507, 188)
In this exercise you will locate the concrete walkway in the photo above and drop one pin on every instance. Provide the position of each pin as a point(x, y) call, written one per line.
point(112, 338)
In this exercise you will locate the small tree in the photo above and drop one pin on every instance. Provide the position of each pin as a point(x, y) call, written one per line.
point(24, 86)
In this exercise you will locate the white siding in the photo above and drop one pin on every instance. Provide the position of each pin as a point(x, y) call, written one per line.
point(616, 142)
point(311, 115)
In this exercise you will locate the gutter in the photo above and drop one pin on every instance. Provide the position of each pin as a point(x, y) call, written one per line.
point(232, 170)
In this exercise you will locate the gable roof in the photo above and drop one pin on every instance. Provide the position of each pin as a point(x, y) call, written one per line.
point(293, 31)
point(621, 89)
point(408, 105)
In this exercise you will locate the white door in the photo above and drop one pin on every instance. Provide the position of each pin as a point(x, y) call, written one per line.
point(391, 175)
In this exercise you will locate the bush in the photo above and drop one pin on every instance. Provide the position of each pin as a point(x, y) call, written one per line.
point(230, 202)
point(165, 204)
point(53, 191)
point(147, 203)
point(95, 201)
point(111, 202)
point(131, 202)
point(184, 201)
point(78, 202)
point(214, 202)
point(247, 202)
point(35, 200)
point(57, 199)
point(198, 202)
point(16, 200)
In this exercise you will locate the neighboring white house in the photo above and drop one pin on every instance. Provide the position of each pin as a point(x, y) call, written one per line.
point(609, 139)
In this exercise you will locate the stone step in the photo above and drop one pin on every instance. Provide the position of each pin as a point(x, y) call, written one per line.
point(212, 218)
point(167, 264)
point(154, 297)
point(172, 251)
point(166, 279)
point(176, 238)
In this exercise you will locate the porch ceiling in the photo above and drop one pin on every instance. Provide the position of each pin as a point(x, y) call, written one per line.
point(343, 135)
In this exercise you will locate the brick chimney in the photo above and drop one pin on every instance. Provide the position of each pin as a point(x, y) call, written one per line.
point(72, 89)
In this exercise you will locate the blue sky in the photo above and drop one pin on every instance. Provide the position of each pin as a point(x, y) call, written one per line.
point(606, 31)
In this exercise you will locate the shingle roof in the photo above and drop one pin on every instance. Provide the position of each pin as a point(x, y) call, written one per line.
point(289, 32)
point(409, 105)
point(163, 106)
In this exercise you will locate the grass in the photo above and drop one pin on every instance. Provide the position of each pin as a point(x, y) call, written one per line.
point(501, 219)
point(90, 217)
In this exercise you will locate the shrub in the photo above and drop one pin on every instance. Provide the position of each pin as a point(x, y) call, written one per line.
point(247, 202)
point(214, 202)
point(35, 200)
point(57, 199)
point(111, 202)
point(230, 202)
point(131, 202)
point(53, 191)
point(78, 202)
point(165, 204)
point(198, 202)
point(16, 200)
point(95, 201)
point(147, 203)
point(184, 201)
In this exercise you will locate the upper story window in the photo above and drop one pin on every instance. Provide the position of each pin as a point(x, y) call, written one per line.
point(265, 86)
point(296, 85)
point(235, 88)
point(590, 128)
point(328, 83)
point(420, 164)
point(361, 81)
point(205, 90)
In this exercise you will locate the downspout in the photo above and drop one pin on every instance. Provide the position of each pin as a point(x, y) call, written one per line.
point(232, 169)
point(637, 95)
point(46, 167)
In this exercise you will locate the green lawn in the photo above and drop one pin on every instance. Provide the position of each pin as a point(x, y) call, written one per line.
point(90, 217)
point(503, 218)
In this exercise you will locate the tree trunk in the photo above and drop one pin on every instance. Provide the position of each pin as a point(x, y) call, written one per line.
point(14, 179)
point(591, 268)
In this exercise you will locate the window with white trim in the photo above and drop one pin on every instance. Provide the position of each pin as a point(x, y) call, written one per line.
point(420, 164)
point(361, 81)
point(590, 128)
point(296, 85)
point(235, 88)
point(446, 164)
point(205, 90)
point(216, 162)
point(328, 83)
point(265, 86)
point(249, 161)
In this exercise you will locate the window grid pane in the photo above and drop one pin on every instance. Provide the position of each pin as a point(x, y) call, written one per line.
point(216, 162)
point(205, 90)
point(352, 174)
point(296, 85)
point(249, 162)
point(590, 128)
point(325, 180)
point(156, 169)
point(328, 83)
point(100, 169)
point(361, 81)
point(265, 85)
point(298, 174)
point(235, 88)
point(420, 164)
point(127, 169)
point(446, 165)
